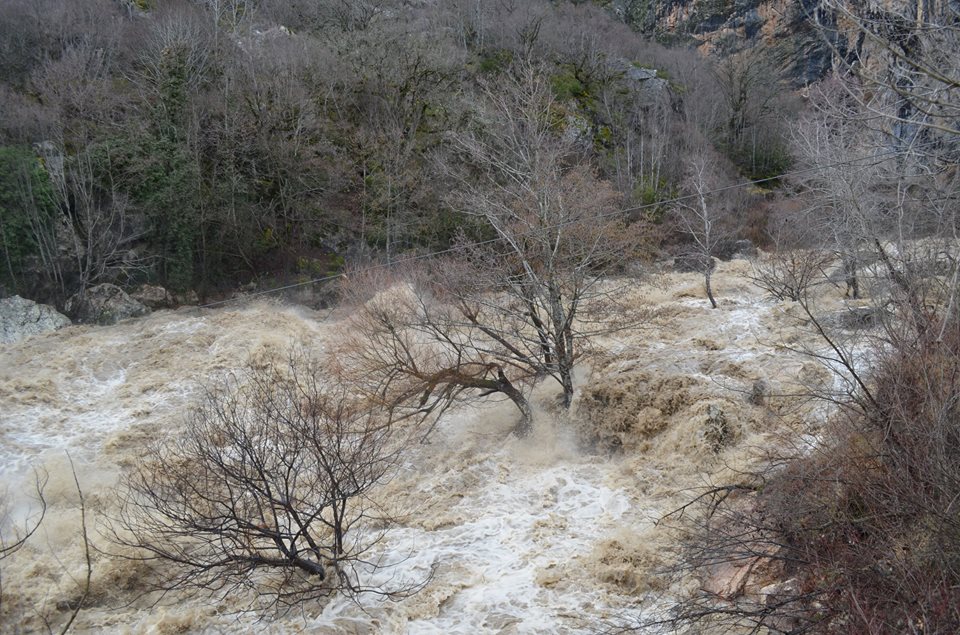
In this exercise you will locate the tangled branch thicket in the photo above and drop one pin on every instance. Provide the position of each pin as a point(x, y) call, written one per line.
point(268, 489)
point(859, 532)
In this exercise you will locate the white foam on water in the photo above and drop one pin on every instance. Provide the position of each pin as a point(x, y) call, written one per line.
point(515, 522)
point(504, 526)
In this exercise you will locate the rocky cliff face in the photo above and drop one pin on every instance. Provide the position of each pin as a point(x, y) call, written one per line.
point(782, 27)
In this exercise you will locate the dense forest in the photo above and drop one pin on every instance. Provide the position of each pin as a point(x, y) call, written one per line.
point(204, 145)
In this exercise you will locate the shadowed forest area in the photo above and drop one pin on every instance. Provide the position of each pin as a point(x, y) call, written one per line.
point(205, 145)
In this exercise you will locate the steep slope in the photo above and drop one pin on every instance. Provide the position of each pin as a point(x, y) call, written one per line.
point(782, 27)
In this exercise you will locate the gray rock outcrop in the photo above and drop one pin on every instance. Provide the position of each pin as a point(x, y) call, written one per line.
point(648, 81)
point(154, 297)
point(784, 28)
point(20, 318)
point(104, 304)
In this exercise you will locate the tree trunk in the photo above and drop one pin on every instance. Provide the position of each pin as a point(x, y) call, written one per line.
point(6, 253)
point(566, 380)
point(525, 425)
point(706, 279)
point(308, 566)
point(850, 271)
point(566, 371)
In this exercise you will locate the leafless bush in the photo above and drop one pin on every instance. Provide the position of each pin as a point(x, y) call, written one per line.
point(273, 473)
point(790, 275)
point(861, 532)
point(415, 355)
point(799, 257)
point(700, 218)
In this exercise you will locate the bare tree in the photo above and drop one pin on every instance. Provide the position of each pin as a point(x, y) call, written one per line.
point(273, 472)
point(557, 227)
point(797, 261)
point(78, 86)
point(411, 347)
point(175, 60)
point(750, 112)
point(519, 306)
point(353, 15)
point(99, 224)
point(700, 217)
point(844, 185)
point(229, 14)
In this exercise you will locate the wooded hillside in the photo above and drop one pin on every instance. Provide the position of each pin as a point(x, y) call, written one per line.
point(206, 144)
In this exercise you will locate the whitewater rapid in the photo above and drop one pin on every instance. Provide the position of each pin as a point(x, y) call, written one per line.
point(538, 535)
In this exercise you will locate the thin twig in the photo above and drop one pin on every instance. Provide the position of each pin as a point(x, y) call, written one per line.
point(86, 549)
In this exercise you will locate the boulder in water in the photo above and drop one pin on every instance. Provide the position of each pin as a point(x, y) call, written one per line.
point(104, 304)
point(187, 297)
point(154, 297)
point(20, 318)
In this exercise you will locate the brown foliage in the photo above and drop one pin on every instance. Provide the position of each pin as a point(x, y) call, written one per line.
point(861, 533)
